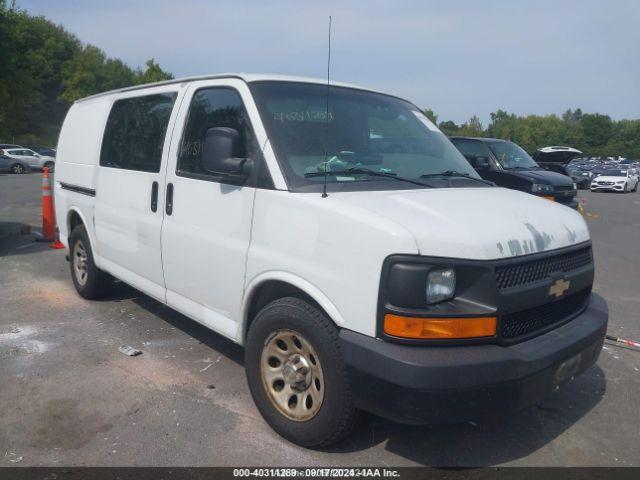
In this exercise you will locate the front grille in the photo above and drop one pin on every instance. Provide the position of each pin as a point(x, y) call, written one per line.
point(538, 318)
point(605, 183)
point(519, 274)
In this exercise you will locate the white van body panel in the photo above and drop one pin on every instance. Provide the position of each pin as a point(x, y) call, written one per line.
point(336, 246)
point(206, 238)
point(127, 232)
point(78, 152)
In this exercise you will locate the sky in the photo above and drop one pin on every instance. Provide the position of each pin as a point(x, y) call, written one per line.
point(458, 57)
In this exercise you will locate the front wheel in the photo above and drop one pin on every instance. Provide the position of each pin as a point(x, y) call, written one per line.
point(17, 169)
point(296, 373)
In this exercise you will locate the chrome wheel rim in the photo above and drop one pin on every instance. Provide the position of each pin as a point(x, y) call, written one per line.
point(17, 169)
point(292, 375)
point(80, 262)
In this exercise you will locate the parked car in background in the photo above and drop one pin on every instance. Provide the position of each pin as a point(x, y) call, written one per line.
point(34, 159)
point(617, 180)
point(8, 145)
point(13, 165)
point(45, 151)
point(508, 165)
point(556, 158)
point(582, 178)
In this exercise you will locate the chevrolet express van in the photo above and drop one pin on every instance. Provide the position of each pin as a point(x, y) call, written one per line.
point(340, 237)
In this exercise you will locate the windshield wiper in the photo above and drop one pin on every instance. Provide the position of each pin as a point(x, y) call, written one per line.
point(365, 171)
point(455, 173)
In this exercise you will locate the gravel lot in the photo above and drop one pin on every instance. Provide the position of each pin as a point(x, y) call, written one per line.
point(69, 397)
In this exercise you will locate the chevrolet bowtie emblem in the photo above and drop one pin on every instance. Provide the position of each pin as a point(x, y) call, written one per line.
point(559, 287)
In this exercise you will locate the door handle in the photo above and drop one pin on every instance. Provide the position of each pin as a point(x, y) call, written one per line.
point(154, 196)
point(169, 204)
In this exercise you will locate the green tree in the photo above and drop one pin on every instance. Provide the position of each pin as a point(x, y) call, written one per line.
point(449, 127)
point(153, 73)
point(430, 115)
point(43, 68)
point(597, 129)
point(472, 128)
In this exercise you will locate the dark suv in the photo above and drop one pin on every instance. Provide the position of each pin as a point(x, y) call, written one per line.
point(508, 165)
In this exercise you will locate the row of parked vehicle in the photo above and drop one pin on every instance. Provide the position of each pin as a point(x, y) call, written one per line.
point(600, 174)
point(22, 159)
point(554, 172)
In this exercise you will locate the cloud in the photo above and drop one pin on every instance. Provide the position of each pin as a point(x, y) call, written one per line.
point(459, 57)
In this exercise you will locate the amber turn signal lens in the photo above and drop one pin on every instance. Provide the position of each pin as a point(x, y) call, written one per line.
point(434, 328)
point(550, 198)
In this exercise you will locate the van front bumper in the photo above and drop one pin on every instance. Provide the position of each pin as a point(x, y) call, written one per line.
point(426, 384)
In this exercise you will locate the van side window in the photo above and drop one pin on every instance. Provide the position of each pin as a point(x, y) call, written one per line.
point(218, 107)
point(135, 131)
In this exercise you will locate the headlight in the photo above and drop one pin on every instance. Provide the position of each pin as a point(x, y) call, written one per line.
point(541, 188)
point(620, 182)
point(441, 285)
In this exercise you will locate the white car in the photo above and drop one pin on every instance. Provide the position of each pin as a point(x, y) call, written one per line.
point(33, 159)
point(617, 180)
point(393, 280)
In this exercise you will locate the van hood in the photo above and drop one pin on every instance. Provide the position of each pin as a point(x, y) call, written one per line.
point(474, 223)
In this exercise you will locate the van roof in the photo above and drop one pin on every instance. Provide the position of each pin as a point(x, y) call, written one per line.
point(246, 77)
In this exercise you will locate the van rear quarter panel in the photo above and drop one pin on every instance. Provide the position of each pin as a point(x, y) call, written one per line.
point(77, 161)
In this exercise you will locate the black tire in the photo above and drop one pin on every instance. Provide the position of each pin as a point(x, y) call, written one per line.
point(95, 283)
point(51, 166)
point(336, 415)
point(17, 169)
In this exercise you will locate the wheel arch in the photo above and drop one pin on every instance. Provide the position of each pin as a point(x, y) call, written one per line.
point(74, 218)
point(270, 286)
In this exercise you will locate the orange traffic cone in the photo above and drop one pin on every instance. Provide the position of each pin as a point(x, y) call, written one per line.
point(49, 230)
point(48, 214)
point(57, 243)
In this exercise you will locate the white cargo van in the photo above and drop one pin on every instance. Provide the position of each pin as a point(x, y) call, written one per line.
point(340, 237)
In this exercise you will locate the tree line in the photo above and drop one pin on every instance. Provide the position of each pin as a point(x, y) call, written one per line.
point(44, 68)
point(595, 134)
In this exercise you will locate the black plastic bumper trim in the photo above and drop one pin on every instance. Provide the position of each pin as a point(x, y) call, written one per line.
point(447, 367)
point(78, 189)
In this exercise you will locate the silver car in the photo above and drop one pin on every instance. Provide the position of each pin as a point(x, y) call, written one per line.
point(33, 159)
point(13, 165)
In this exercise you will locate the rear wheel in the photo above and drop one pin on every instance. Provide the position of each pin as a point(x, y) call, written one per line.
point(51, 166)
point(17, 169)
point(296, 373)
point(89, 280)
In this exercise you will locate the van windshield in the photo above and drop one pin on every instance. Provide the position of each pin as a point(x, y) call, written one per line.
point(511, 156)
point(365, 137)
